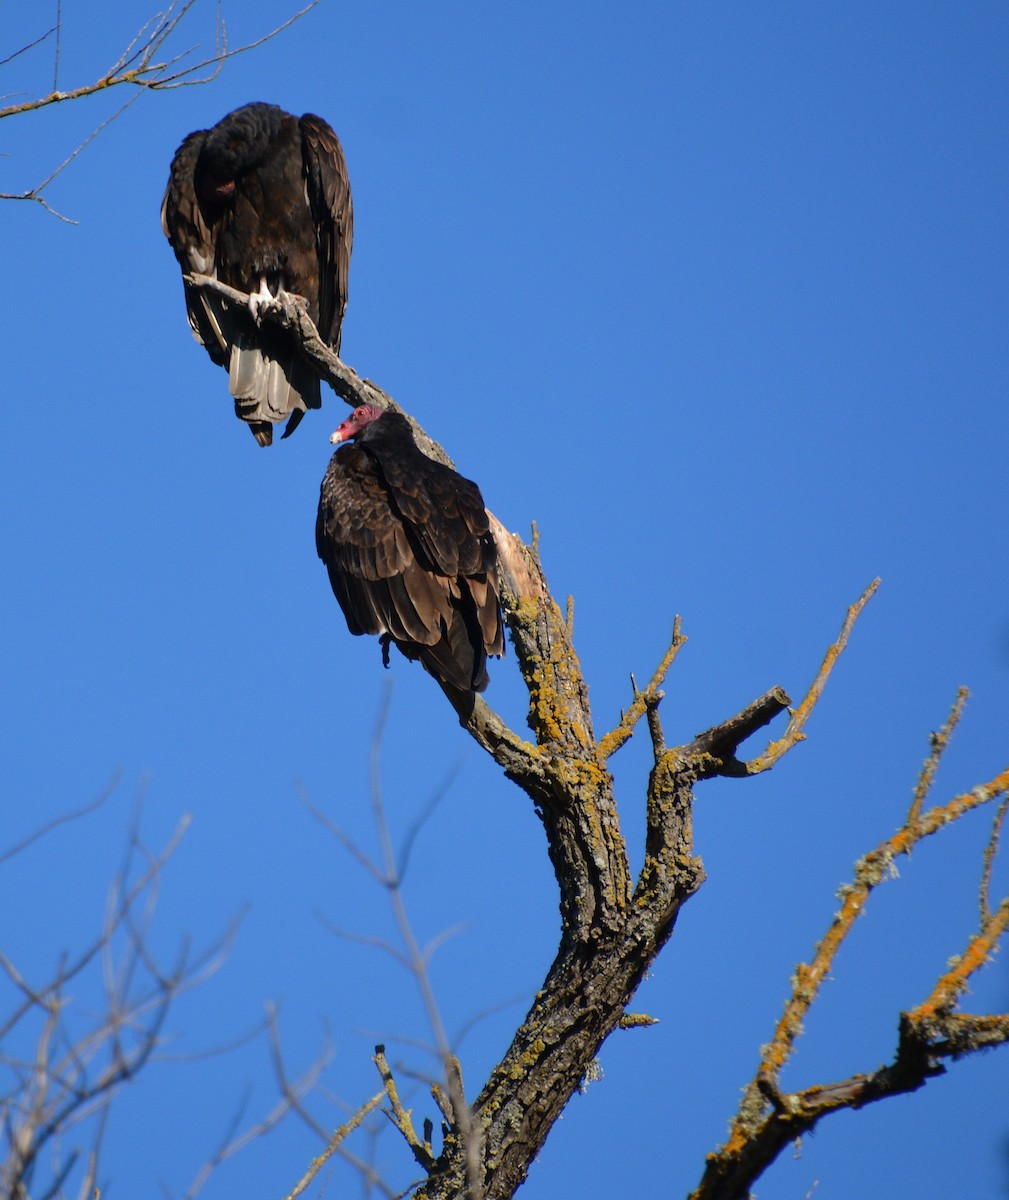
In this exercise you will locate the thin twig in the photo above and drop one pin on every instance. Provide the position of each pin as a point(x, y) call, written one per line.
point(937, 747)
point(612, 741)
point(870, 871)
point(31, 45)
point(400, 1116)
point(62, 819)
point(337, 1137)
point(990, 851)
point(794, 729)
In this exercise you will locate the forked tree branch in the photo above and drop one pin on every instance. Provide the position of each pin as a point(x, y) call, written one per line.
point(61, 1064)
point(768, 1120)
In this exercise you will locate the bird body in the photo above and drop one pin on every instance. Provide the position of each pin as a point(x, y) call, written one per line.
point(407, 544)
point(262, 203)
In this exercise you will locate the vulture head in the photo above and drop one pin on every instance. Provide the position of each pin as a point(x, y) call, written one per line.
point(362, 416)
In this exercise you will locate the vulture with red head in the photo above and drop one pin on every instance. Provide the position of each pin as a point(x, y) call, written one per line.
point(409, 551)
point(262, 202)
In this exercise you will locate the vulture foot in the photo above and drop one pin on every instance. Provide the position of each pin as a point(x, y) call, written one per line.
point(284, 302)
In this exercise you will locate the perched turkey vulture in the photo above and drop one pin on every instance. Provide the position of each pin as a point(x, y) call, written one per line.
point(409, 551)
point(262, 202)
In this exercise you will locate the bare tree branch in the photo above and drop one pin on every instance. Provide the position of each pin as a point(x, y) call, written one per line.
point(61, 1087)
point(643, 701)
point(797, 720)
point(938, 743)
point(333, 1145)
point(990, 853)
point(768, 1120)
point(63, 819)
point(401, 1117)
point(138, 64)
point(31, 45)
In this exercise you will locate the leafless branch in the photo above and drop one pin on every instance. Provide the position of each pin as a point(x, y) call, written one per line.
point(333, 1145)
point(35, 193)
point(938, 743)
point(401, 1117)
point(63, 819)
point(139, 66)
point(643, 701)
point(70, 1078)
point(767, 1119)
point(798, 718)
point(990, 853)
point(31, 45)
point(234, 1141)
point(65, 1063)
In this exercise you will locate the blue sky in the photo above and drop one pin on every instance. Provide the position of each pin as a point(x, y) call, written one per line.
point(716, 295)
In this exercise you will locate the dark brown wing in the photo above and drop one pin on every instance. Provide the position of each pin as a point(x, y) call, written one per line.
point(397, 575)
point(373, 568)
point(194, 244)
point(328, 187)
point(445, 518)
point(444, 512)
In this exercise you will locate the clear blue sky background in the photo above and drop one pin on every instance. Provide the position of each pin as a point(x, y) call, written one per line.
point(715, 294)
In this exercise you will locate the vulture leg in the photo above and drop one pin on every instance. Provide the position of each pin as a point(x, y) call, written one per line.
point(260, 300)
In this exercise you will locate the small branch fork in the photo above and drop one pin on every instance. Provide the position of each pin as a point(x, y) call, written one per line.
point(768, 1118)
point(612, 926)
point(63, 1066)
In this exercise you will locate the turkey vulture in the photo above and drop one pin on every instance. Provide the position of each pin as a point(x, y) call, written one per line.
point(262, 202)
point(408, 548)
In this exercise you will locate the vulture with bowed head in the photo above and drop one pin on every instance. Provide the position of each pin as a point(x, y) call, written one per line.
point(262, 202)
point(409, 551)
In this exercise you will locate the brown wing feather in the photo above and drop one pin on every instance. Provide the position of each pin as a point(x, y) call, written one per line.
point(372, 566)
point(409, 553)
point(443, 511)
point(483, 590)
point(194, 244)
point(328, 188)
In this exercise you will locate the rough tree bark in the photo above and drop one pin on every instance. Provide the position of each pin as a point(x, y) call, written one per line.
point(613, 926)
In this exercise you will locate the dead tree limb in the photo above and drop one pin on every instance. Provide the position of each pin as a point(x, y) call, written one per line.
point(769, 1119)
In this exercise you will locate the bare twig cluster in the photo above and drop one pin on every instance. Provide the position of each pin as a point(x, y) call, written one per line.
point(614, 925)
point(63, 1065)
point(446, 1087)
point(928, 1035)
point(65, 1058)
point(151, 61)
